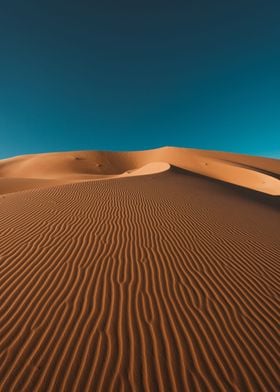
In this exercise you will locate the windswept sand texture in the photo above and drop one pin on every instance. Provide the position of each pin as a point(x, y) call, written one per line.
point(139, 271)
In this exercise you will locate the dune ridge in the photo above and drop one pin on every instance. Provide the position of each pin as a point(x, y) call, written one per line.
point(257, 173)
point(159, 279)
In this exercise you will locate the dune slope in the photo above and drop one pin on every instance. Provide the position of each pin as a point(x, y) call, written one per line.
point(156, 280)
point(257, 173)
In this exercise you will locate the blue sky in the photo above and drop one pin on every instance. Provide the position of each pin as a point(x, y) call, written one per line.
point(134, 75)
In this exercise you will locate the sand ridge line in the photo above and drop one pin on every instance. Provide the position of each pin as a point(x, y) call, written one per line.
point(256, 173)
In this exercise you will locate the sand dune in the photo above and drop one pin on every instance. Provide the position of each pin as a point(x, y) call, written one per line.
point(139, 271)
point(261, 174)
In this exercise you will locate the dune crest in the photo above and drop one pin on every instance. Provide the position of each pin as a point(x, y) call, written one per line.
point(256, 173)
point(149, 168)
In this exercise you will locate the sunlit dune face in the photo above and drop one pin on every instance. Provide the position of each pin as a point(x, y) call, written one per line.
point(142, 271)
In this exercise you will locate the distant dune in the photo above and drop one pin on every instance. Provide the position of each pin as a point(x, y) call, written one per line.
point(154, 270)
point(261, 174)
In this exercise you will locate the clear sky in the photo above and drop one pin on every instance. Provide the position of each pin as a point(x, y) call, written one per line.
point(130, 75)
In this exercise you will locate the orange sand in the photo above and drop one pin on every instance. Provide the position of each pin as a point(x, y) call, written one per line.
point(155, 270)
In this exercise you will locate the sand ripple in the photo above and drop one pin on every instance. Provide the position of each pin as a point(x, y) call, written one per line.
point(158, 282)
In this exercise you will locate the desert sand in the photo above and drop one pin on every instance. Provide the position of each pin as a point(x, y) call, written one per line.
point(154, 270)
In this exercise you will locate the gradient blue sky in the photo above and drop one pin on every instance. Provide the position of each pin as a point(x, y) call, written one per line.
point(124, 75)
